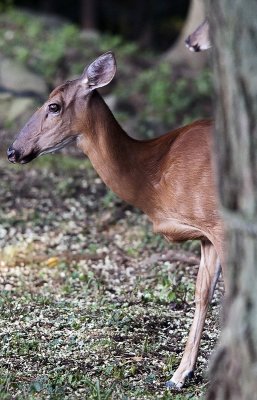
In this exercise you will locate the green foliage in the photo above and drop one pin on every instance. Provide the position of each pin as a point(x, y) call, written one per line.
point(51, 52)
point(54, 386)
point(53, 161)
point(108, 42)
point(30, 41)
point(171, 101)
point(109, 199)
point(50, 49)
point(168, 289)
point(5, 5)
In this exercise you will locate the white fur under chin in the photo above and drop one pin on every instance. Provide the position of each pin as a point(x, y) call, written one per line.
point(57, 146)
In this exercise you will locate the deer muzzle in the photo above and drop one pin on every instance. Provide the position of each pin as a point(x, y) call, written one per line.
point(15, 156)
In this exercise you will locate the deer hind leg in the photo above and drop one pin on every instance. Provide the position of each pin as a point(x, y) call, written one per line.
point(207, 277)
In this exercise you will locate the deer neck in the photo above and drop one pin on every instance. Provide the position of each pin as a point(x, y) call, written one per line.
point(114, 155)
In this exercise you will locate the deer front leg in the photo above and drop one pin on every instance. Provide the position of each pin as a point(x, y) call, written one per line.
point(207, 277)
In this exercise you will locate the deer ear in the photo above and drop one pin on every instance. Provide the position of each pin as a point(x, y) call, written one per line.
point(100, 72)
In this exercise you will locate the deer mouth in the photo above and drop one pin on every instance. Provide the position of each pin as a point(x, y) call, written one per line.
point(28, 158)
point(14, 156)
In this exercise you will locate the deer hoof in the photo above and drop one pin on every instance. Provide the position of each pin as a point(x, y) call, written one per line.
point(174, 385)
point(178, 385)
point(171, 385)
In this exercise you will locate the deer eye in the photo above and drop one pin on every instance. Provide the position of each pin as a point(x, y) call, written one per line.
point(54, 108)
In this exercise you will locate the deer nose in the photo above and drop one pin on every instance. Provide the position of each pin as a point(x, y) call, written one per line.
point(13, 155)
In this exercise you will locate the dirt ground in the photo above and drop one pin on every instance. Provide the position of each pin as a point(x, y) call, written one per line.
point(93, 304)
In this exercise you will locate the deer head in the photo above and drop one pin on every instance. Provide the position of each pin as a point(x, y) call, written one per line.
point(55, 124)
point(199, 40)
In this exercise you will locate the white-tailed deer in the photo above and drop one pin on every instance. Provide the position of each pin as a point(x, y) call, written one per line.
point(169, 178)
point(199, 40)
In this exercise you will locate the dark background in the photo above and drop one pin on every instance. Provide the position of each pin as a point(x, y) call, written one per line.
point(152, 23)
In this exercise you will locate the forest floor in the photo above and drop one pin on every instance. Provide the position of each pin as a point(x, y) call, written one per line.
point(93, 304)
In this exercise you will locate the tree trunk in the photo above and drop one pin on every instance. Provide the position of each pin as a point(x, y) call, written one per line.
point(47, 6)
point(233, 371)
point(87, 15)
point(179, 54)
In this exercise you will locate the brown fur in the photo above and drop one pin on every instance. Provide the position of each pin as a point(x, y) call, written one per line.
point(170, 178)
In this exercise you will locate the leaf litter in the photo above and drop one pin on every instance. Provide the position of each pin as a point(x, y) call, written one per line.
point(93, 304)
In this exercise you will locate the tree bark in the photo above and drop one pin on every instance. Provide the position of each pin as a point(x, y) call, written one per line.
point(179, 54)
point(233, 371)
point(88, 14)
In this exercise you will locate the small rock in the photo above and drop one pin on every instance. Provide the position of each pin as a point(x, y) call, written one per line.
point(16, 77)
